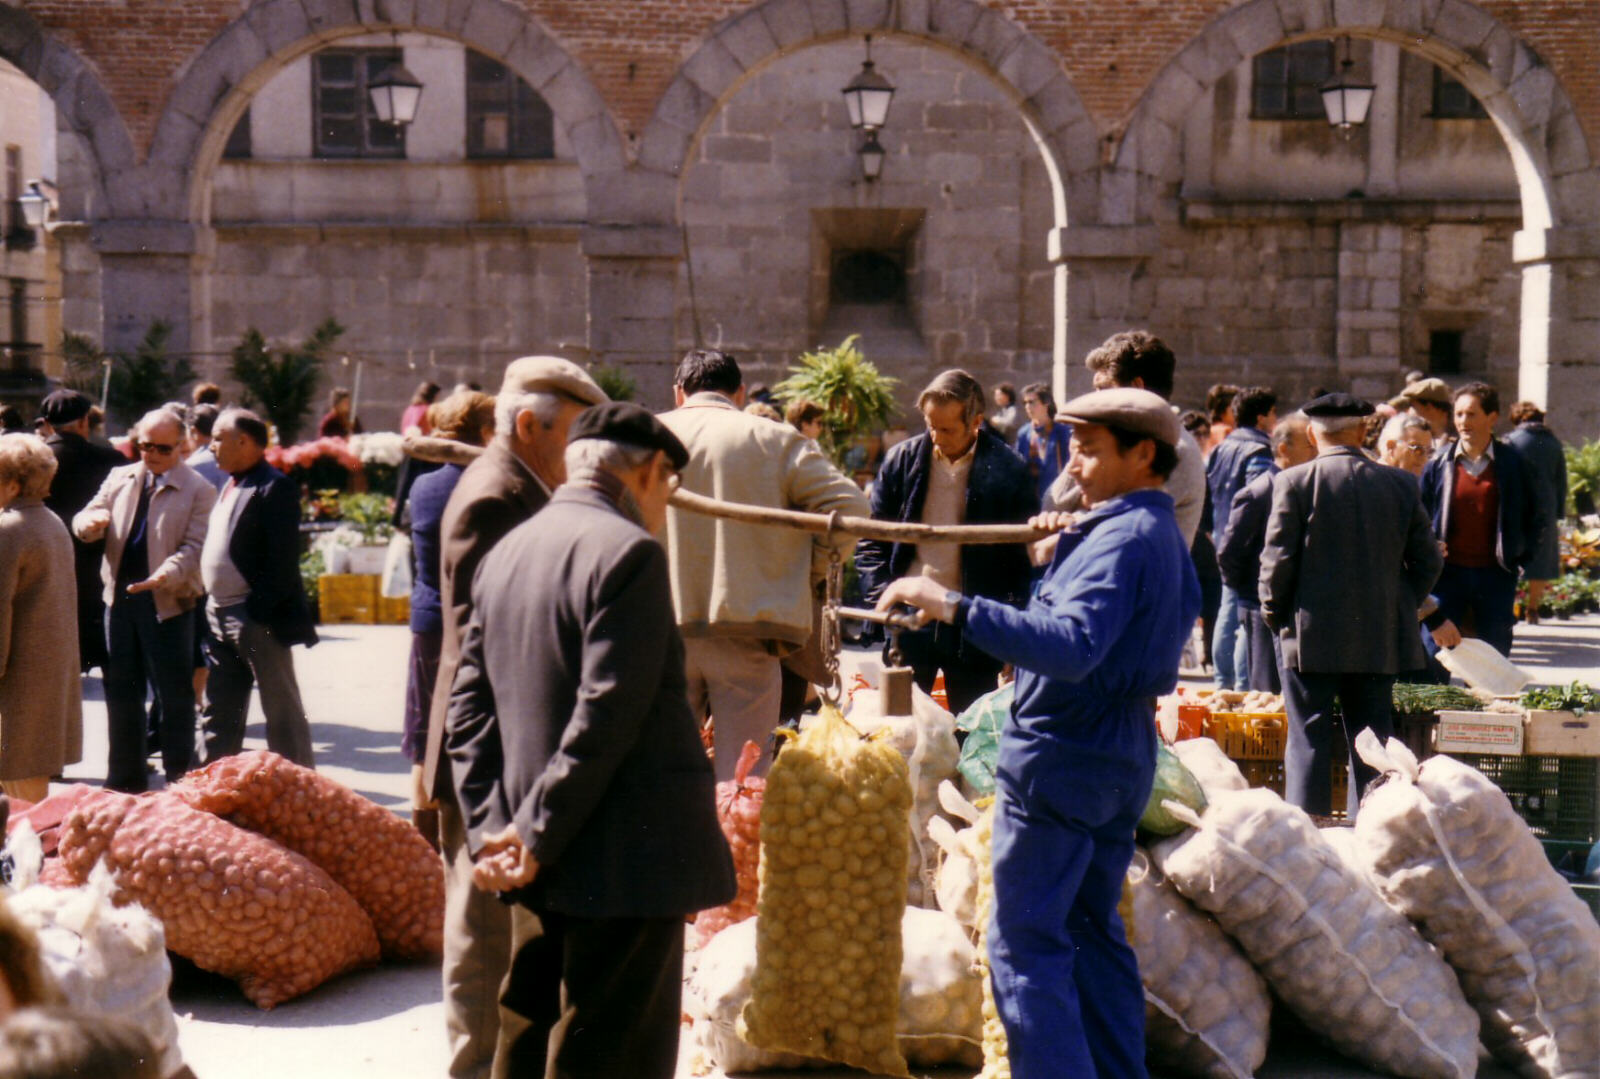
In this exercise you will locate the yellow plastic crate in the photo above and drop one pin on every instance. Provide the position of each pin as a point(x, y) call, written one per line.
point(1249, 736)
point(348, 597)
point(393, 612)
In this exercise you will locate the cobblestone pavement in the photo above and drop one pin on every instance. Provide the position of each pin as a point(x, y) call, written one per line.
point(388, 1022)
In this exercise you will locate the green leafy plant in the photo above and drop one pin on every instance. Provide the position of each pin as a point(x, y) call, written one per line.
point(84, 361)
point(1583, 476)
point(371, 513)
point(312, 566)
point(618, 384)
point(282, 385)
point(857, 398)
point(1577, 697)
point(147, 377)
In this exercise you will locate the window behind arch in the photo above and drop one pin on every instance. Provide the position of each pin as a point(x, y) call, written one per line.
point(505, 116)
point(346, 123)
point(1286, 83)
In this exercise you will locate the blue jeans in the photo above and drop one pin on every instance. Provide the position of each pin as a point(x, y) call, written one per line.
point(1230, 649)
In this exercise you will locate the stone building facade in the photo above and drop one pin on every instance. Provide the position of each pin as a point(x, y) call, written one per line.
point(1056, 170)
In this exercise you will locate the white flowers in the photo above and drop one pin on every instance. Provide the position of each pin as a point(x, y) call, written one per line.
point(378, 448)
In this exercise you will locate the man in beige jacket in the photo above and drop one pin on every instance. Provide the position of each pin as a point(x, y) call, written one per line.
point(742, 591)
point(153, 515)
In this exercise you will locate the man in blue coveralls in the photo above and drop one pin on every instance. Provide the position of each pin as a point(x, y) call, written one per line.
point(1099, 641)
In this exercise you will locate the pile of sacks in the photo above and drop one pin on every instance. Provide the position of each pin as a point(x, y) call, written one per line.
point(262, 871)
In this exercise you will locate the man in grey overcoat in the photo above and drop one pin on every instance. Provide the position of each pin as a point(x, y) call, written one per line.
point(1348, 561)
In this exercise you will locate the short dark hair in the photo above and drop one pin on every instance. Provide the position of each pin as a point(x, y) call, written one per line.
point(1165, 459)
point(1009, 390)
point(247, 423)
point(426, 392)
point(337, 394)
point(801, 411)
point(1194, 421)
point(1042, 392)
point(1135, 354)
point(705, 370)
point(51, 1042)
point(954, 385)
point(206, 393)
point(1526, 412)
point(203, 418)
point(1252, 404)
point(1488, 397)
point(11, 419)
point(1218, 398)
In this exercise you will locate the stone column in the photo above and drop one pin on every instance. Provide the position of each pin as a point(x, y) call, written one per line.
point(1383, 121)
point(144, 276)
point(1094, 267)
point(1560, 350)
point(1368, 317)
point(633, 278)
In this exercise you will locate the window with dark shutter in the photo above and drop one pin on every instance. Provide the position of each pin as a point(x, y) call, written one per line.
point(346, 125)
point(1453, 101)
point(1286, 83)
point(505, 116)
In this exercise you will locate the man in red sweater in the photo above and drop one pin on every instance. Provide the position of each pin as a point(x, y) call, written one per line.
point(1477, 496)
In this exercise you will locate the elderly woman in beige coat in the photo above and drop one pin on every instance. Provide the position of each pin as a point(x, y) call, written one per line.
point(41, 703)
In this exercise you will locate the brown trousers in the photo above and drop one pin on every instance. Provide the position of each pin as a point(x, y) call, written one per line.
point(591, 998)
point(477, 952)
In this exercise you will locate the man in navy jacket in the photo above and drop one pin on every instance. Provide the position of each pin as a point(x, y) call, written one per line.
point(957, 472)
point(1099, 641)
point(1482, 509)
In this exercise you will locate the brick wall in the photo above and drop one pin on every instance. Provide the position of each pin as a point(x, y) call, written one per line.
point(632, 48)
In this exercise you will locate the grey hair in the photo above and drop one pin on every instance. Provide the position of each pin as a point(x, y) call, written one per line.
point(1336, 425)
point(598, 454)
point(544, 406)
point(1398, 425)
point(158, 416)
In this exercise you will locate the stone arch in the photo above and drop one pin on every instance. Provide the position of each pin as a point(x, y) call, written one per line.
point(1522, 95)
point(217, 86)
point(1027, 69)
point(83, 104)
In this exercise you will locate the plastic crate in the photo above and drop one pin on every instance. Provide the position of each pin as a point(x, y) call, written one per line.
point(1555, 796)
point(393, 612)
point(347, 597)
point(1249, 736)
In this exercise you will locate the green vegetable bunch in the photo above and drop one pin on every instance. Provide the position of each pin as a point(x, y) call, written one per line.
point(1576, 698)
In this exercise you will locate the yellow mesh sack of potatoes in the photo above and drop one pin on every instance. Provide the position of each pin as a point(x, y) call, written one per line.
point(834, 837)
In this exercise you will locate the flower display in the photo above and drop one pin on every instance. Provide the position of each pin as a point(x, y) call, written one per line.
point(379, 448)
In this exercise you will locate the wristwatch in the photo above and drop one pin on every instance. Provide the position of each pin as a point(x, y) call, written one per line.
point(952, 603)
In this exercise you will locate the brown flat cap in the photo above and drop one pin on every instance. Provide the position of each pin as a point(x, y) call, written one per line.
point(1139, 411)
point(1433, 391)
point(552, 374)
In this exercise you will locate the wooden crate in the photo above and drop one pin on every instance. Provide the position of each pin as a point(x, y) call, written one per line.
point(1496, 733)
point(348, 597)
point(1561, 734)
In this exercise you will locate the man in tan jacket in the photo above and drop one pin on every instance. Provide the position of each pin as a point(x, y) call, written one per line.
point(153, 515)
point(742, 591)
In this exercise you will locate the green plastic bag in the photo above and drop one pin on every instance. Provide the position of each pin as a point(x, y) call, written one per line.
point(1173, 782)
point(982, 721)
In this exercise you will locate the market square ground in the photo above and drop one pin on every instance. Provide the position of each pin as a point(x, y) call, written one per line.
point(389, 1022)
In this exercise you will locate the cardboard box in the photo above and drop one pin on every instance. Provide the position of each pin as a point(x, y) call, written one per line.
point(1562, 734)
point(1479, 732)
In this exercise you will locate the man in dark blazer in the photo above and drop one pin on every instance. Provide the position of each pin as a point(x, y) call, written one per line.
point(958, 471)
point(578, 765)
point(538, 400)
point(256, 605)
point(81, 467)
point(1347, 563)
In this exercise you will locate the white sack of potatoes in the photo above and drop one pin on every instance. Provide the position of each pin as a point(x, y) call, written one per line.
point(1354, 970)
point(1443, 844)
point(1210, 767)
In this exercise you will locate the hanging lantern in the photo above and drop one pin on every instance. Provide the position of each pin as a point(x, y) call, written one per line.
point(1345, 100)
point(871, 154)
point(395, 95)
point(867, 96)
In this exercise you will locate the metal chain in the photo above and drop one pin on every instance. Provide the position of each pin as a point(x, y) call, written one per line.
point(830, 639)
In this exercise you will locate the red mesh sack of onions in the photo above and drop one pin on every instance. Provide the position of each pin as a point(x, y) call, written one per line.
point(231, 901)
point(381, 860)
point(739, 811)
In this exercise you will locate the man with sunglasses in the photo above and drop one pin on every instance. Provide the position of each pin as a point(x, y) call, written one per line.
point(153, 516)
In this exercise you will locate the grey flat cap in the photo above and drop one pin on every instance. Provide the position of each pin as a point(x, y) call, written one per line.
point(1433, 391)
point(1139, 411)
point(552, 374)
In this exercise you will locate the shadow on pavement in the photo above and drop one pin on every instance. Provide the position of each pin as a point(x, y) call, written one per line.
point(361, 997)
point(342, 745)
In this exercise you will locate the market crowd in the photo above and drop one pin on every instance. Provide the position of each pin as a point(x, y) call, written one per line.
point(578, 645)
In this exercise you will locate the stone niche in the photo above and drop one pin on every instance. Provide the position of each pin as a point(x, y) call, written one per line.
point(779, 221)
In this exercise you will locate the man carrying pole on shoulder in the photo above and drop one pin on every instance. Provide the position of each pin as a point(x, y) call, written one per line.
point(1099, 641)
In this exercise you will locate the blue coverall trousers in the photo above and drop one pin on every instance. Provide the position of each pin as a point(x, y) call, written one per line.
point(1066, 983)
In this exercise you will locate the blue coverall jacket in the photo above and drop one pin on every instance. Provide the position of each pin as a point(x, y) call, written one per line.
point(1099, 641)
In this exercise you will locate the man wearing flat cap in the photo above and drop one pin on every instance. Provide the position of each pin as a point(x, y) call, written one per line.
point(1430, 398)
point(81, 467)
point(588, 798)
point(539, 398)
point(1097, 643)
point(1347, 562)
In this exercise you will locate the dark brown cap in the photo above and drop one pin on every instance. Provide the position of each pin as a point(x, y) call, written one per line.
point(631, 425)
point(1128, 408)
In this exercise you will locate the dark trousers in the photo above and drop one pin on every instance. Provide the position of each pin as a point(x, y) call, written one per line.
point(590, 998)
point(1365, 703)
point(1479, 602)
point(244, 655)
point(424, 673)
point(146, 653)
point(1263, 650)
point(968, 673)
